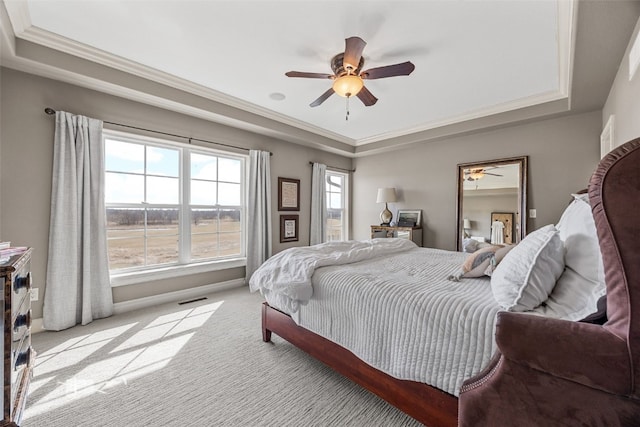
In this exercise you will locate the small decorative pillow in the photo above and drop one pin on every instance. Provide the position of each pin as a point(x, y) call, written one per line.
point(527, 274)
point(477, 263)
point(469, 245)
point(497, 258)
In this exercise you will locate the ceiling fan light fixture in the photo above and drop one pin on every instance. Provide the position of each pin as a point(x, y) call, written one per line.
point(476, 174)
point(348, 85)
point(348, 75)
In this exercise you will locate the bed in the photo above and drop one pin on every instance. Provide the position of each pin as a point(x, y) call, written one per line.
point(422, 332)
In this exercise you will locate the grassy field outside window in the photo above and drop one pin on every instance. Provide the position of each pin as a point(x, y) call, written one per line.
point(169, 204)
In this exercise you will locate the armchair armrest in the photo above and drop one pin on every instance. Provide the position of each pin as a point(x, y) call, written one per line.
point(580, 352)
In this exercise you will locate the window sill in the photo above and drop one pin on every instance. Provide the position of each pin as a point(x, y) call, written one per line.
point(135, 277)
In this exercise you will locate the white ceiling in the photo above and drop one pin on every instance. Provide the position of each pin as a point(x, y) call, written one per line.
point(473, 58)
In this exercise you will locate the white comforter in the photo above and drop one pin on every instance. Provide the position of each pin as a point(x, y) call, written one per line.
point(402, 316)
point(397, 312)
point(286, 276)
point(392, 306)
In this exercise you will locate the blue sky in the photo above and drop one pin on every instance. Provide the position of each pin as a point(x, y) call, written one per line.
point(164, 189)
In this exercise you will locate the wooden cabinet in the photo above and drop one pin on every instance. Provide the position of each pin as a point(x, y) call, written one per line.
point(17, 355)
point(411, 233)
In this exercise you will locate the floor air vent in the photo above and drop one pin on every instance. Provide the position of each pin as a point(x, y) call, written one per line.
point(191, 300)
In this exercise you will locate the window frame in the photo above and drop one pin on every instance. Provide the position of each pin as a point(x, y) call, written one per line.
point(184, 265)
point(345, 199)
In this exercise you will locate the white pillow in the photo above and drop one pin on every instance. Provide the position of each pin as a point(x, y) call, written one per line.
point(581, 285)
point(578, 233)
point(528, 273)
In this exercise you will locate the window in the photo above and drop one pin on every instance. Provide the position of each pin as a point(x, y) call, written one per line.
point(337, 202)
point(168, 204)
point(634, 57)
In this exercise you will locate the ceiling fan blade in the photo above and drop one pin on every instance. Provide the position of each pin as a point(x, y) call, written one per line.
point(309, 75)
point(403, 69)
point(322, 98)
point(353, 52)
point(366, 97)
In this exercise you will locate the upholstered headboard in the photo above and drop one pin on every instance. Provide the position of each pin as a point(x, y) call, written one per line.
point(557, 372)
point(614, 192)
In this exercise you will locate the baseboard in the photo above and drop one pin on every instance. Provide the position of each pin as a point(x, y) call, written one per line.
point(36, 325)
point(185, 294)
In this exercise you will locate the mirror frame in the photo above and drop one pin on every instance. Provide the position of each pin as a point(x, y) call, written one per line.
point(522, 192)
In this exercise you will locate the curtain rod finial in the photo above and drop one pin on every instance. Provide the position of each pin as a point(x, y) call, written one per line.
point(50, 111)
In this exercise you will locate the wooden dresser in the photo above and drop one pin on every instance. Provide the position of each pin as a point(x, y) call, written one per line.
point(411, 233)
point(17, 355)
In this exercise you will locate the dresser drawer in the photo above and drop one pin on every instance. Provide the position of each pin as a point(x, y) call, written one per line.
point(18, 356)
point(20, 360)
point(20, 287)
point(21, 322)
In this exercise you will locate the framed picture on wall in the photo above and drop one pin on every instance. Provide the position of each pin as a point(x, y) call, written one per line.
point(288, 194)
point(288, 228)
point(410, 217)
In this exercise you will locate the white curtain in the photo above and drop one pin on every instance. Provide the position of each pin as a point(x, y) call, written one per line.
point(318, 231)
point(259, 212)
point(77, 284)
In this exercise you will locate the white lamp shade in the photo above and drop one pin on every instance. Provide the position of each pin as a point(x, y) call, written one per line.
point(466, 223)
point(386, 195)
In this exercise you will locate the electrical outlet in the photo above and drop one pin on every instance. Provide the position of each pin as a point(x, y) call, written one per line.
point(532, 213)
point(34, 294)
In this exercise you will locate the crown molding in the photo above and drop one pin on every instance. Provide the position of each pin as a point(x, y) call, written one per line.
point(23, 29)
point(567, 16)
point(480, 124)
point(7, 38)
point(567, 19)
point(20, 23)
point(18, 13)
point(519, 104)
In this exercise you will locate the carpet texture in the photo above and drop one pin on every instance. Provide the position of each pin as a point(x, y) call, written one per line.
point(199, 364)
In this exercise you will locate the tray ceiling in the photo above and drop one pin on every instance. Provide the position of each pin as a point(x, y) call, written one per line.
point(472, 58)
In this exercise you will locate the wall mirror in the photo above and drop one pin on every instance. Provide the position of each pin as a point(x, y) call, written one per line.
point(492, 201)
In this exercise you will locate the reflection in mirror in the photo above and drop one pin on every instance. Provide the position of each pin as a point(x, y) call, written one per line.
point(492, 202)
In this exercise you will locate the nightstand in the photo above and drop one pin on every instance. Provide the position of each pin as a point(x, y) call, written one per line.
point(412, 233)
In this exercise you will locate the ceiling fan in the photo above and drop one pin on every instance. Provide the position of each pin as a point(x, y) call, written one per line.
point(348, 75)
point(476, 174)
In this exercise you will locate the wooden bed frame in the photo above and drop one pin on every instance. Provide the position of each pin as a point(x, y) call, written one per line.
point(429, 405)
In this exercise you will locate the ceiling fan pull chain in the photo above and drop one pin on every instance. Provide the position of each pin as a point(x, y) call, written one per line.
point(346, 118)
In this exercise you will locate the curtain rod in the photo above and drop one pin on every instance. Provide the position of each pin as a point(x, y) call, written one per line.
point(51, 112)
point(340, 169)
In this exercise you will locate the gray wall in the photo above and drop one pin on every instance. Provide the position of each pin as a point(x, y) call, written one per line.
point(624, 100)
point(563, 153)
point(27, 155)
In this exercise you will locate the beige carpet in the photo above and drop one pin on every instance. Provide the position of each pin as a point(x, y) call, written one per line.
point(200, 364)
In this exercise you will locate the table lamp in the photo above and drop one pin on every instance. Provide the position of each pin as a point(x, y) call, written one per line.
point(466, 226)
point(386, 195)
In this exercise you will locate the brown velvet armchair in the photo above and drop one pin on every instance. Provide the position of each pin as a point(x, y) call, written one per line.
point(551, 372)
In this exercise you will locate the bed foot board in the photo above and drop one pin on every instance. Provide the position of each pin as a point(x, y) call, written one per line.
point(430, 406)
point(266, 333)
